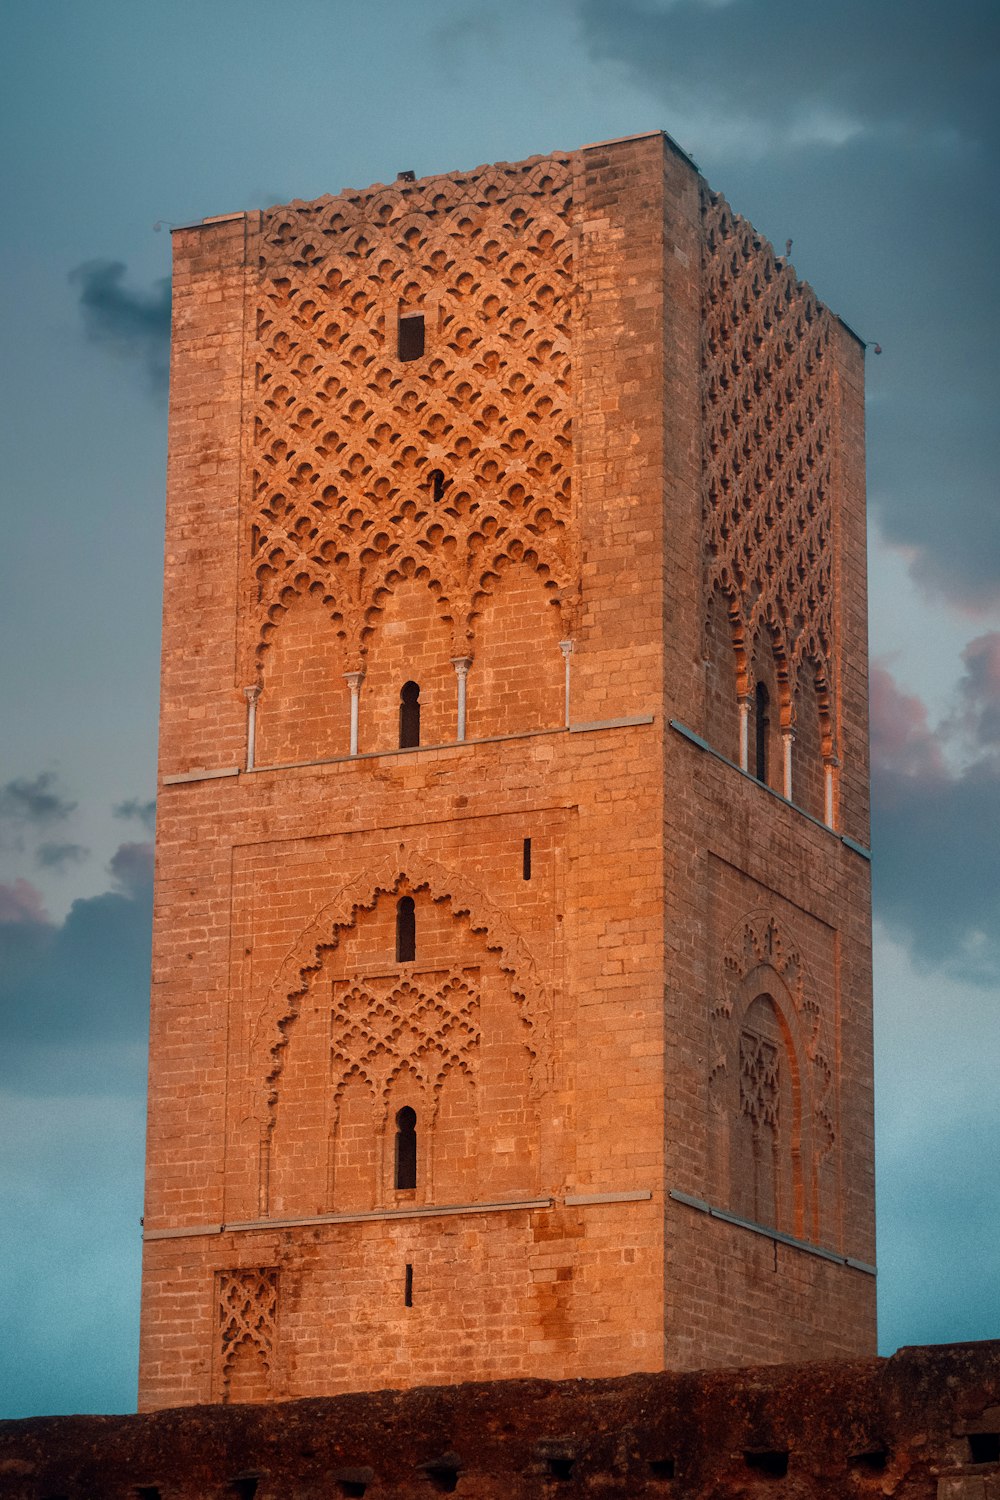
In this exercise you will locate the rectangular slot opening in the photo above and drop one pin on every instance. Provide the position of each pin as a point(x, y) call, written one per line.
point(411, 336)
point(408, 1287)
point(984, 1447)
point(772, 1461)
point(872, 1461)
point(526, 860)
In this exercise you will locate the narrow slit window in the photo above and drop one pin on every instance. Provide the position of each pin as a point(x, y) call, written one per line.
point(411, 337)
point(526, 860)
point(762, 723)
point(408, 1278)
point(406, 930)
point(436, 478)
point(406, 1158)
point(409, 716)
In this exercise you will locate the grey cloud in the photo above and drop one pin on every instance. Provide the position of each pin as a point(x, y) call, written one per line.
point(52, 856)
point(69, 990)
point(143, 812)
point(132, 868)
point(775, 59)
point(869, 134)
point(935, 869)
point(978, 716)
point(134, 324)
point(31, 803)
point(934, 835)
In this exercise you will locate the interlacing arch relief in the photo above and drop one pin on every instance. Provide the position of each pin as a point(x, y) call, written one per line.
point(422, 1023)
point(366, 586)
point(358, 460)
point(758, 958)
point(761, 625)
point(298, 229)
point(272, 1027)
point(791, 672)
point(766, 460)
point(247, 1303)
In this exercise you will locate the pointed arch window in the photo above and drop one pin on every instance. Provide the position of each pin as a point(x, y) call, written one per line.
point(762, 723)
point(409, 716)
point(406, 930)
point(406, 1148)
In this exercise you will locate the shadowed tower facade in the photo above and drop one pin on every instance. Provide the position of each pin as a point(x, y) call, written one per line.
point(512, 983)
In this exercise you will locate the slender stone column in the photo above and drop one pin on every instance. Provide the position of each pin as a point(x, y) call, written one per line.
point(829, 768)
point(787, 741)
point(354, 681)
point(251, 694)
point(461, 665)
point(567, 648)
point(744, 707)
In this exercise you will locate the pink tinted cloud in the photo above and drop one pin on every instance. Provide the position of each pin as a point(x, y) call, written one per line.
point(21, 902)
point(901, 738)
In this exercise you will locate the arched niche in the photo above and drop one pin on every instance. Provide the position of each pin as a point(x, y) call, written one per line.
point(808, 788)
point(457, 1132)
point(410, 642)
point(302, 710)
point(354, 1145)
point(721, 679)
point(769, 711)
point(765, 1162)
point(371, 1035)
point(771, 1138)
point(517, 678)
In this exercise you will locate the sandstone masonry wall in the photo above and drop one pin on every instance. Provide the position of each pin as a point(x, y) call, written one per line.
point(496, 501)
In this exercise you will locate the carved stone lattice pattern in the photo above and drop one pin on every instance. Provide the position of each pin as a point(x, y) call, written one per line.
point(248, 1313)
point(428, 1023)
point(755, 947)
point(346, 437)
point(272, 1027)
point(759, 1086)
point(766, 460)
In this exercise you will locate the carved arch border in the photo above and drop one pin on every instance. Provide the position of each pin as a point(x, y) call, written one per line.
point(757, 946)
point(269, 1033)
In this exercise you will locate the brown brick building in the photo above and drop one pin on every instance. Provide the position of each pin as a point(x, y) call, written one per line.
point(512, 979)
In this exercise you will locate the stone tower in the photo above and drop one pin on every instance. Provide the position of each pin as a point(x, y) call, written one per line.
point(512, 984)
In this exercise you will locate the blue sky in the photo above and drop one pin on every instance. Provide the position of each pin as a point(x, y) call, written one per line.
point(865, 131)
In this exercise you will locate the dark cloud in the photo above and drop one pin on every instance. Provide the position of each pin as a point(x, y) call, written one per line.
point(134, 324)
point(869, 134)
point(143, 812)
point(31, 804)
point(978, 716)
point(70, 991)
point(60, 856)
point(132, 867)
point(934, 828)
point(774, 59)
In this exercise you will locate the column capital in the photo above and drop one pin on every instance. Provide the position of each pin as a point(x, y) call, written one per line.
point(462, 665)
point(354, 679)
point(567, 647)
point(252, 693)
